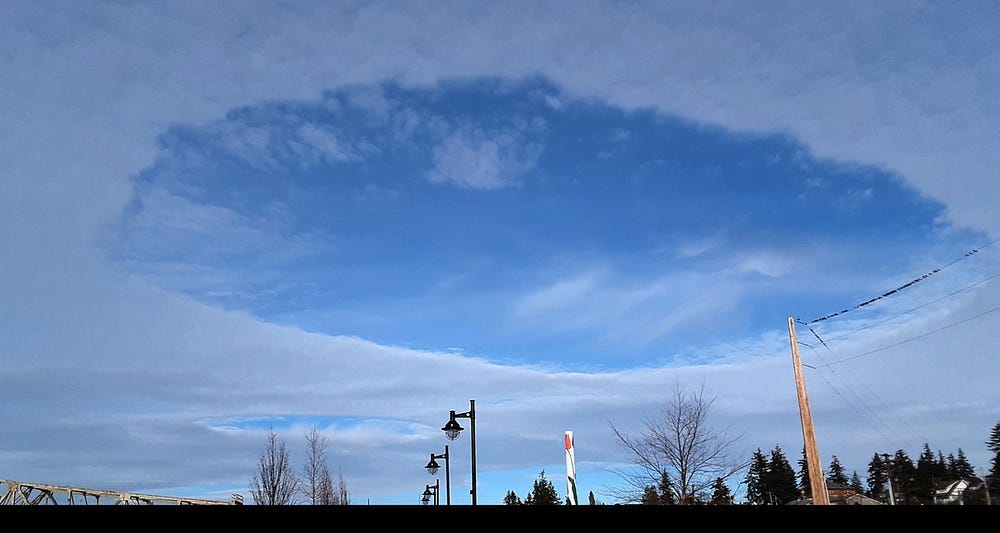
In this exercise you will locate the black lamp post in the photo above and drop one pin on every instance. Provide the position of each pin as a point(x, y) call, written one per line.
point(452, 430)
point(426, 496)
point(432, 467)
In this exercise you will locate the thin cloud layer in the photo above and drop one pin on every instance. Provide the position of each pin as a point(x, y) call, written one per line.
point(171, 270)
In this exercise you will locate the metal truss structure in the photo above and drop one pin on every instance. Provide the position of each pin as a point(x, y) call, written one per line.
point(22, 493)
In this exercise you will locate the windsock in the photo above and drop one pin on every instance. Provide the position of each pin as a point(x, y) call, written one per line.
point(570, 469)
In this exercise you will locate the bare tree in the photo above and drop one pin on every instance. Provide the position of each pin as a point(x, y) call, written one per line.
point(333, 493)
point(317, 485)
point(314, 469)
point(680, 443)
point(275, 482)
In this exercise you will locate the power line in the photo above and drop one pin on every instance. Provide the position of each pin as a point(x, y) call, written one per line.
point(893, 345)
point(901, 287)
point(874, 414)
point(912, 309)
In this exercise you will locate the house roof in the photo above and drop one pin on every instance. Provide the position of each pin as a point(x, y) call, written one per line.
point(949, 486)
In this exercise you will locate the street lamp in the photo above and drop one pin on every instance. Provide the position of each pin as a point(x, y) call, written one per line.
point(426, 496)
point(452, 430)
point(432, 467)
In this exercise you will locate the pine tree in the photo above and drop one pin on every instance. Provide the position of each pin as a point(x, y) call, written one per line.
point(963, 469)
point(666, 490)
point(878, 476)
point(591, 499)
point(781, 478)
point(721, 495)
point(837, 473)
point(856, 483)
point(901, 472)
point(756, 479)
point(543, 492)
point(650, 496)
point(511, 498)
point(993, 476)
point(924, 478)
point(805, 482)
point(940, 467)
point(993, 443)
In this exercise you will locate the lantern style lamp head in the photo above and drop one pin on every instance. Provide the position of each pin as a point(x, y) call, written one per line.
point(432, 466)
point(452, 429)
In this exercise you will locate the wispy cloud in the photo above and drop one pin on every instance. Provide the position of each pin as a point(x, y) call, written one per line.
point(475, 158)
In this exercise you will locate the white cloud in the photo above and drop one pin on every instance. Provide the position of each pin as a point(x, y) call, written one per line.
point(88, 87)
point(326, 143)
point(617, 309)
point(475, 158)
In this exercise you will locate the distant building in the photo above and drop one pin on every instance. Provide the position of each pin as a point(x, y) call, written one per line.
point(841, 494)
point(839, 491)
point(950, 492)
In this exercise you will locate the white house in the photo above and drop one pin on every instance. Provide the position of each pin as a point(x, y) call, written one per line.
point(951, 491)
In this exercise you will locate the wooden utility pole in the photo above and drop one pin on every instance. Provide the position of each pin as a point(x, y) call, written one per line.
point(816, 478)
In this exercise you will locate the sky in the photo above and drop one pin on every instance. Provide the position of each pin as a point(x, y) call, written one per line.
point(217, 222)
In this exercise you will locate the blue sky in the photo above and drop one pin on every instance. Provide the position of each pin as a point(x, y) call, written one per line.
point(362, 215)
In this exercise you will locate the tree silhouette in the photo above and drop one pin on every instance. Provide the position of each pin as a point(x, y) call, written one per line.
point(679, 441)
point(275, 482)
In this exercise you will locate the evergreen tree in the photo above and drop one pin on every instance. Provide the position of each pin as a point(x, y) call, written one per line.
point(781, 478)
point(721, 495)
point(878, 476)
point(901, 472)
point(666, 489)
point(951, 467)
point(940, 467)
point(837, 473)
point(591, 498)
point(963, 469)
point(662, 494)
point(543, 492)
point(805, 482)
point(993, 476)
point(650, 496)
point(756, 479)
point(993, 443)
point(924, 478)
point(511, 498)
point(856, 483)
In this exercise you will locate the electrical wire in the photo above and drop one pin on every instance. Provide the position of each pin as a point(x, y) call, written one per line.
point(911, 339)
point(912, 309)
point(901, 287)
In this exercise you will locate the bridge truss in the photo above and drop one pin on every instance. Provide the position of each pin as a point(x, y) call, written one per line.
point(23, 493)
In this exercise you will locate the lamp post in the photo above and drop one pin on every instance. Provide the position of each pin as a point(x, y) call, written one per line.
point(432, 467)
point(452, 430)
point(426, 496)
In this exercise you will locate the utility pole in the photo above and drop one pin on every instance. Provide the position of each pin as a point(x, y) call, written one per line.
point(817, 480)
point(986, 484)
point(888, 471)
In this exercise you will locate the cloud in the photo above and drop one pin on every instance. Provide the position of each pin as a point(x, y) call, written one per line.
point(626, 311)
point(473, 158)
point(326, 144)
point(89, 87)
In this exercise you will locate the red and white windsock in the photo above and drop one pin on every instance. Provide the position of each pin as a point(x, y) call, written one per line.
point(570, 469)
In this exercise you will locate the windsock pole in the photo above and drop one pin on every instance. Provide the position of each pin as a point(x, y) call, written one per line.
point(570, 469)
